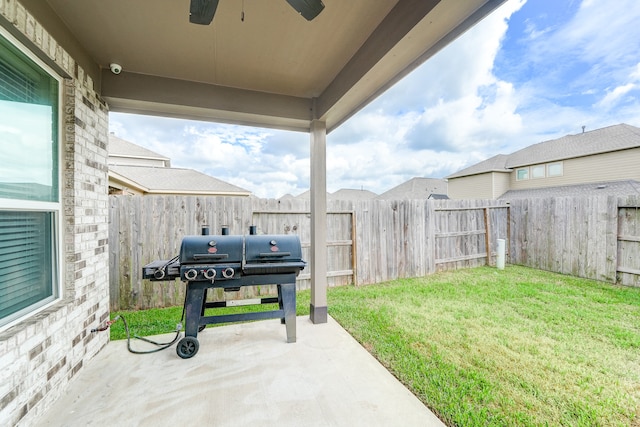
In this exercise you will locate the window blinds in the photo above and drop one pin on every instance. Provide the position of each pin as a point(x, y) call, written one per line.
point(25, 260)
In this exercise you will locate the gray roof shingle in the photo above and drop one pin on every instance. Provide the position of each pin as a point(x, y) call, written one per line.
point(611, 138)
point(120, 148)
point(352, 194)
point(607, 139)
point(415, 188)
point(615, 188)
point(496, 163)
point(176, 180)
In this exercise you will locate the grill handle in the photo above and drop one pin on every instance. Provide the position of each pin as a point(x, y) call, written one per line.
point(273, 254)
point(210, 256)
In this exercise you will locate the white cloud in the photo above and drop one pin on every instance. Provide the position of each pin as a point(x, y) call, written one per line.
point(243, 156)
point(494, 90)
point(436, 120)
point(614, 97)
point(601, 31)
point(599, 43)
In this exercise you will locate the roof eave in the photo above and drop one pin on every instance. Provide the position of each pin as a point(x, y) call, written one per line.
point(479, 173)
point(128, 182)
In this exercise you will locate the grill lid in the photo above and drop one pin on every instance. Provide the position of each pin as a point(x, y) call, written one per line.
point(224, 257)
point(266, 254)
point(211, 250)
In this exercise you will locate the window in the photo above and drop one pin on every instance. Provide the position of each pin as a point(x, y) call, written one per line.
point(537, 171)
point(554, 169)
point(29, 183)
point(522, 174)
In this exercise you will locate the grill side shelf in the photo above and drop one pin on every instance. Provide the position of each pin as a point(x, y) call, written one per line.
point(161, 270)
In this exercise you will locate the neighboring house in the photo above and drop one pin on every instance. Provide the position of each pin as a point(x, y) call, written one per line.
point(125, 153)
point(599, 157)
point(168, 181)
point(614, 188)
point(287, 196)
point(417, 188)
point(136, 170)
point(342, 194)
point(306, 195)
point(352, 194)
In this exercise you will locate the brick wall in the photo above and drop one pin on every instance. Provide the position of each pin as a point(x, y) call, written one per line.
point(40, 355)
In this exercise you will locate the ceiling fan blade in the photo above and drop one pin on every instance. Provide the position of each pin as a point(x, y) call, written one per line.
point(309, 9)
point(202, 11)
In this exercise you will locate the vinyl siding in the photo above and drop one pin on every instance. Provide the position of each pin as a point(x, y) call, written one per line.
point(500, 183)
point(611, 166)
point(472, 187)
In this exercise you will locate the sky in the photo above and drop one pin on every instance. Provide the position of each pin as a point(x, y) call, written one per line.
point(531, 71)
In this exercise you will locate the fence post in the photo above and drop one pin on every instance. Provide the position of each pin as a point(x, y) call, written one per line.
point(487, 239)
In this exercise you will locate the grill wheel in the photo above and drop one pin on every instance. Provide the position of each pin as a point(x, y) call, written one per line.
point(187, 347)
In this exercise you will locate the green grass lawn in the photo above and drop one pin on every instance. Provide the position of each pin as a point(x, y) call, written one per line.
point(484, 347)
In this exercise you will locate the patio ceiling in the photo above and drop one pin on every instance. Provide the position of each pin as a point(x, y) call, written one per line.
point(272, 69)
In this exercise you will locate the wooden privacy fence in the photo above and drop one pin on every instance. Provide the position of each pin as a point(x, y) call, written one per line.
point(341, 243)
point(569, 235)
point(143, 229)
point(628, 266)
point(367, 242)
point(592, 237)
point(469, 233)
point(379, 240)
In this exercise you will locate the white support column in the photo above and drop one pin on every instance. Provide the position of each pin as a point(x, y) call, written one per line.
point(318, 132)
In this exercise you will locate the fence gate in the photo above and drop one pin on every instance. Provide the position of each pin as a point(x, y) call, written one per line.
point(467, 236)
point(628, 269)
point(341, 241)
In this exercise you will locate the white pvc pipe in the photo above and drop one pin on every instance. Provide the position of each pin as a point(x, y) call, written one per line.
point(500, 256)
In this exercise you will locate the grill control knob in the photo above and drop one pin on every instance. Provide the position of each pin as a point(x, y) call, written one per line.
point(228, 272)
point(159, 274)
point(210, 273)
point(191, 274)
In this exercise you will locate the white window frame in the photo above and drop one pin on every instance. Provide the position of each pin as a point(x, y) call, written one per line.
point(535, 168)
point(549, 174)
point(56, 208)
point(518, 174)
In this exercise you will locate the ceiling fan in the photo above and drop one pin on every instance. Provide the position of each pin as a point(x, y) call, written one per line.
point(202, 11)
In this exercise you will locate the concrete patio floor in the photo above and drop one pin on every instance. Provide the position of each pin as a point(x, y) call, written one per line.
point(243, 375)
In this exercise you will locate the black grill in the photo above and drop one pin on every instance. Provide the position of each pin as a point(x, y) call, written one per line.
point(231, 262)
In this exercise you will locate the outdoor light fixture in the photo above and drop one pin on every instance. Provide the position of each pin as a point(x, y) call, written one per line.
point(202, 11)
